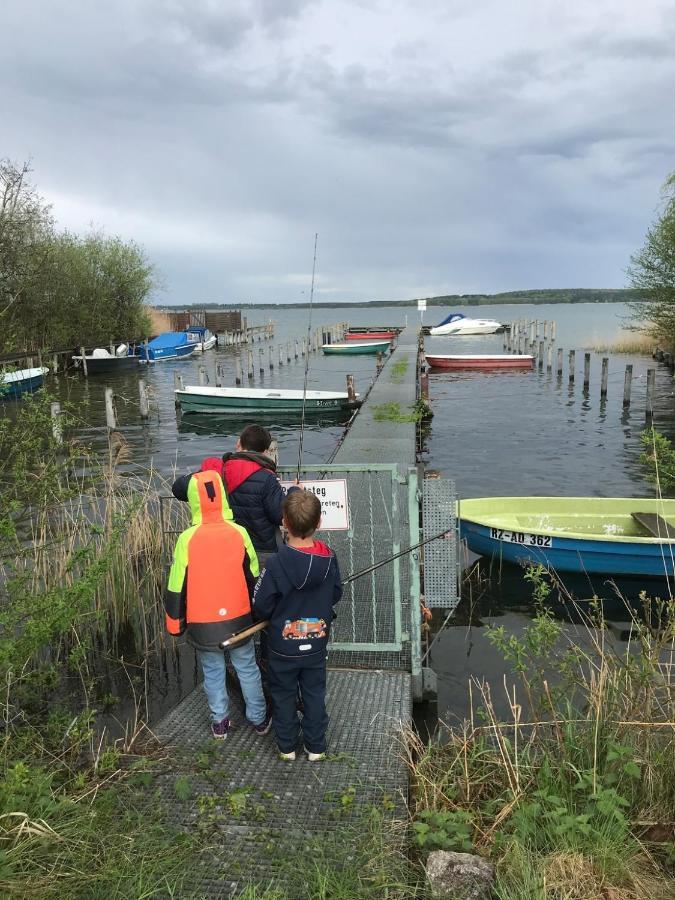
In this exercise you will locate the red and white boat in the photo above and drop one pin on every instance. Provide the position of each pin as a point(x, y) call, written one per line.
point(480, 361)
point(370, 335)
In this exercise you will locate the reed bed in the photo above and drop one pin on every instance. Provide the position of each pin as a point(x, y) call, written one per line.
point(573, 794)
point(635, 343)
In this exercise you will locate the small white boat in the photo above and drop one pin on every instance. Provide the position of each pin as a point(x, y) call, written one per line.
point(205, 338)
point(457, 324)
point(25, 381)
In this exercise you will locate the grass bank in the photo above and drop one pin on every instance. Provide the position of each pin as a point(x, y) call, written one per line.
point(574, 796)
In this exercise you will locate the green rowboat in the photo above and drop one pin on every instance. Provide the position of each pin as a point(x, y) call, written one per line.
point(238, 401)
point(349, 349)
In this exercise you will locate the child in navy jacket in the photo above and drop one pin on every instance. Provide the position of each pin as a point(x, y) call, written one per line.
point(297, 593)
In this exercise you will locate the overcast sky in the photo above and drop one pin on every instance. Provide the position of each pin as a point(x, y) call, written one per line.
point(436, 146)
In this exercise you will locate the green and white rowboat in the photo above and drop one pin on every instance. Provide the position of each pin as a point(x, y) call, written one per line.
point(235, 401)
point(613, 535)
point(348, 349)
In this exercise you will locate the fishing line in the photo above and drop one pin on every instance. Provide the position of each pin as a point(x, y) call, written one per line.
point(251, 630)
point(309, 338)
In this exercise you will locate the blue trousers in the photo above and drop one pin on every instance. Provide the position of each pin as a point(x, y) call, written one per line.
point(215, 685)
point(285, 676)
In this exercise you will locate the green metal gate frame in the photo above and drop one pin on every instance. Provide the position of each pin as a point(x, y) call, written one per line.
point(397, 481)
point(403, 483)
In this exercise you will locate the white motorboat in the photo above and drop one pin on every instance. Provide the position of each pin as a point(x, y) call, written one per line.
point(205, 338)
point(457, 323)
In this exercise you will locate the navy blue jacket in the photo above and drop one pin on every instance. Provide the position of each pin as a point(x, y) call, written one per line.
point(297, 592)
point(253, 492)
point(255, 496)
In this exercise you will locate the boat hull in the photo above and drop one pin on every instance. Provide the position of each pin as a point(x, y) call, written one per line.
point(260, 402)
point(351, 349)
point(25, 381)
point(484, 361)
point(108, 365)
point(528, 541)
point(370, 335)
point(458, 329)
point(164, 354)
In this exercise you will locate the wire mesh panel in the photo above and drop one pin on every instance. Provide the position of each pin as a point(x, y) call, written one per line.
point(439, 514)
point(369, 614)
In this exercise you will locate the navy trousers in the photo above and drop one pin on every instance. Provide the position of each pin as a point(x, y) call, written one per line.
point(286, 676)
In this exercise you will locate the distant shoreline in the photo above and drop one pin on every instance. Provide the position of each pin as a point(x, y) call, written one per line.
point(571, 295)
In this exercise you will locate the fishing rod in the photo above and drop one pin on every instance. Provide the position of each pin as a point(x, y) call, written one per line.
point(253, 629)
point(309, 338)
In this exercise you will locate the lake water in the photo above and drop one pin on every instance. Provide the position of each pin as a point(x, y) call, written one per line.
point(510, 433)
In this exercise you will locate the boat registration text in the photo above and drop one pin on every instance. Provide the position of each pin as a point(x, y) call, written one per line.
point(520, 537)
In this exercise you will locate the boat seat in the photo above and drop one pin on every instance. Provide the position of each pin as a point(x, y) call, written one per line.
point(656, 525)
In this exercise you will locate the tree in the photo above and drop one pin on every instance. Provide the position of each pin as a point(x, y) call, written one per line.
point(58, 289)
point(652, 271)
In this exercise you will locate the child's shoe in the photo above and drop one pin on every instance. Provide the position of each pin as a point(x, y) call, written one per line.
point(315, 757)
point(220, 729)
point(287, 756)
point(264, 726)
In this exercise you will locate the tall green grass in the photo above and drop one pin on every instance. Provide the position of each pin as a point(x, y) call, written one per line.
point(565, 794)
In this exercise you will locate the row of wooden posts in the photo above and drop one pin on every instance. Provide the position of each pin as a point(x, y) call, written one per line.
point(523, 337)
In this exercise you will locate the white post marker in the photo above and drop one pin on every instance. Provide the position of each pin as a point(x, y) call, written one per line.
point(333, 496)
point(421, 306)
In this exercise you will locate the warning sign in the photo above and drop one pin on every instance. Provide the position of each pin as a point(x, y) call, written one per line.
point(333, 497)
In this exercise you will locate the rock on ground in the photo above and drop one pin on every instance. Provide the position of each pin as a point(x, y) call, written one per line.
point(459, 876)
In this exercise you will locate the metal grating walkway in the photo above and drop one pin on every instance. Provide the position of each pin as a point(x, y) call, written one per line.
point(256, 804)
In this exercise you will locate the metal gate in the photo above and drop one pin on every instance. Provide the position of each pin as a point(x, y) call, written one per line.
point(371, 623)
point(378, 623)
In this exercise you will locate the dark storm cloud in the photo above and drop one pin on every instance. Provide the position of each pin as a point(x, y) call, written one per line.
point(435, 146)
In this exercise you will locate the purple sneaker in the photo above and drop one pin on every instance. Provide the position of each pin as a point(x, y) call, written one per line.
point(264, 726)
point(220, 729)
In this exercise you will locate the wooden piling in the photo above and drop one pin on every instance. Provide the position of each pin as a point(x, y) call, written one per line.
point(238, 375)
point(559, 362)
point(261, 361)
point(281, 355)
point(270, 353)
point(296, 347)
point(203, 377)
point(57, 429)
point(587, 370)
point(218, 379)
point(288, 351)
point(571, 364)
point(143, 399)
point(554, 331)
point(85, 372)
point(110, 419)
point(178, 382)
point(541, 354)
point(627, 383)
point(604, 377)
point(651, 382)
point(351, 393)
point(546, 330)
point(55, 364)
point(250, 365)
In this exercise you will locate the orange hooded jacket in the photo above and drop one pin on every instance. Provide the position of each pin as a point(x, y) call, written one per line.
point(214, 569)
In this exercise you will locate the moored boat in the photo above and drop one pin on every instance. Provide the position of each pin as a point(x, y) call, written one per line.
point(238, 400)
point(479, 361)
point(458, 324)
point(206, 340)
point(370, 335)
point(100, 361)
point(24, 381)
point(352, 347)
point(613, 536)
point(170, 345)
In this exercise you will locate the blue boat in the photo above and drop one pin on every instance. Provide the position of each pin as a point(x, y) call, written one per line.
point(25, 381)
point(170, 345)
point(610, 536)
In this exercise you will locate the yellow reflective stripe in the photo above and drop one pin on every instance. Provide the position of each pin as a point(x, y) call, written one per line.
point(180, 560)
point(193, 500)
point(252, 556)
